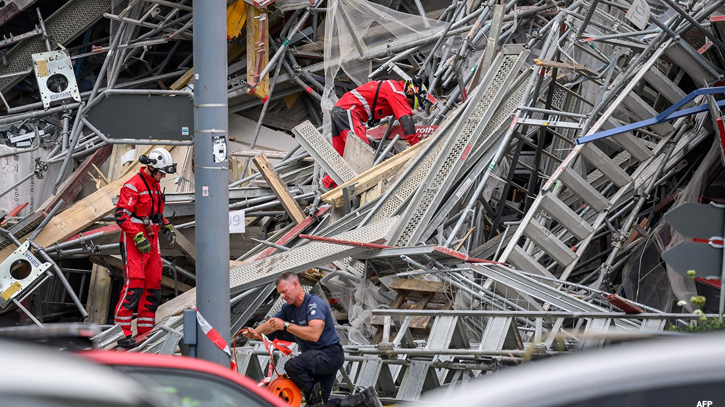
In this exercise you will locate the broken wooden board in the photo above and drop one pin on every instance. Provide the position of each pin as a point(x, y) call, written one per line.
point(99, 295)
point(358, 154)
point(279, 188)
point(371, 177)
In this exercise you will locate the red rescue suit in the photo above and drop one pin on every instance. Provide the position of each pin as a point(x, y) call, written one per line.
point(140, 201)
point(354, 108)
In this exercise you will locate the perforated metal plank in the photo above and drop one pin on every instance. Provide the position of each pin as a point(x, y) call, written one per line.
point(64, 25)
point(603, 163)
point(501, 117)
point(549, 243)
point(565, 216)
point(483, 151)
point(304, 257)
point(446, 168)
point(406, 185)
point(583, 190)
point(321, 150)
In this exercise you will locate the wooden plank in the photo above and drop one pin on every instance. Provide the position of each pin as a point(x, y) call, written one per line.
point(358, 154)
point(408, 284)
point(255, 152)
point(185, 246)
point(183, 80)
point(372, 193)
point(99, 295)
point(371, 177)
point(279, 188)
point(72, 186)
point(566, 66)
point(257, 41)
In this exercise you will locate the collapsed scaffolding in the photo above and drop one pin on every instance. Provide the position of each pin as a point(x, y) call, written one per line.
point(517, 229)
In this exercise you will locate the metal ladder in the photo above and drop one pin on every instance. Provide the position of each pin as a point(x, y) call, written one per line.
point(551, 227)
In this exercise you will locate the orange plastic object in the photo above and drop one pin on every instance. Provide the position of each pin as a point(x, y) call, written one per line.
point(283, 388)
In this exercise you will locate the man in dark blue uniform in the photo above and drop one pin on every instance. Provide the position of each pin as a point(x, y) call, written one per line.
point(309, 319)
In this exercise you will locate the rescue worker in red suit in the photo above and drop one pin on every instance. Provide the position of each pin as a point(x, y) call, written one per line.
point(139, 213)
point(383, 98)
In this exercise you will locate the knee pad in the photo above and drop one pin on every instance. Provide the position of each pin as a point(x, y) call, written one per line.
point(154, 299)
point(133, 295)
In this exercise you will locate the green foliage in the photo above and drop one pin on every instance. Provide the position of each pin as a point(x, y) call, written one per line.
point(704, 324)
point(712, 325)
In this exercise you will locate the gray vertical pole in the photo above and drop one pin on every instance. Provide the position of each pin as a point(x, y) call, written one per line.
point(211, 173)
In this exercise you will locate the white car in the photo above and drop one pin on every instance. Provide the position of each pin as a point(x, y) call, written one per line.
point(38, 376)
point(684, 371)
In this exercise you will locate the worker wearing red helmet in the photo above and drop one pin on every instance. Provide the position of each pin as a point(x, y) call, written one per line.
point(139, 213)
point(370, 103)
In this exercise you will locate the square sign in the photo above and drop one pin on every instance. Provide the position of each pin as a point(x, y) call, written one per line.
point(638, 14)
point(236, 221)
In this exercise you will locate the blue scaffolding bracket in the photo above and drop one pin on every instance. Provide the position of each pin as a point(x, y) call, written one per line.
point(671, 113)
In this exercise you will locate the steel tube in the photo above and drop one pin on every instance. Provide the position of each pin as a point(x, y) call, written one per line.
point(211, 186)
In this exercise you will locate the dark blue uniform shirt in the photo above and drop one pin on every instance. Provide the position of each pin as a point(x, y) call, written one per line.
point(312, 307)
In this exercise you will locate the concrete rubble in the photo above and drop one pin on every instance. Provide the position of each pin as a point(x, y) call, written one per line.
point(528, 223)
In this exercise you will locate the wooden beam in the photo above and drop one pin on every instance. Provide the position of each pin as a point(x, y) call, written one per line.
point(279, 188)
point(371, 177)
point(185, 246)
point(257, 41)
point(255, 152)
point(99, 295)
point(567, 66)
point(183, 80)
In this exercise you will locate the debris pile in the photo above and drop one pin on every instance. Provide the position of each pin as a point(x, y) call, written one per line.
point(527, 222)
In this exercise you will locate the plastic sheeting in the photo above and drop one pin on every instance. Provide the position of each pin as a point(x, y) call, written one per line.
point(358, 298)
point(354, 30)
point(647, 279)
point(15, 167)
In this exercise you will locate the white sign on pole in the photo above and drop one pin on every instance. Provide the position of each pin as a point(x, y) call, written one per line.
point(638, 14)
point(236, 221)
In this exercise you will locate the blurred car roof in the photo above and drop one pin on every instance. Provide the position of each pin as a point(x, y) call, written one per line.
point(37, 375)
point(181, 363)
point(631, 367)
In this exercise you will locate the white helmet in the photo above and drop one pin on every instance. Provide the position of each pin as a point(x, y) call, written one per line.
point(160, 159)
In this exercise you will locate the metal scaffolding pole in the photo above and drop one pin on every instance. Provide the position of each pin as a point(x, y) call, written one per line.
point(211, 168)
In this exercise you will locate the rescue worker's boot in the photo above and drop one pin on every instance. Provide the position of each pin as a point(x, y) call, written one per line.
point(367, 398)
point(127, 342)
point(315, 395)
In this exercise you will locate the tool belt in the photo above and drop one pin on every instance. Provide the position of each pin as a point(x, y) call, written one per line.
point(148, 222)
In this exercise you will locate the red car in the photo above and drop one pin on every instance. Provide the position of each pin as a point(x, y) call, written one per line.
point(193, 382)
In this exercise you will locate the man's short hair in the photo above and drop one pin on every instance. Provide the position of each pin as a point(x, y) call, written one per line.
point(287, 276)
